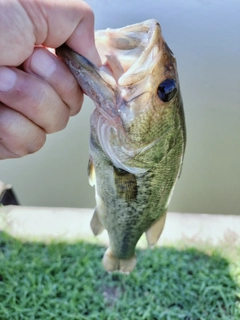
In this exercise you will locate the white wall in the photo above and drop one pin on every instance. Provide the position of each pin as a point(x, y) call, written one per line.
point(205, 37)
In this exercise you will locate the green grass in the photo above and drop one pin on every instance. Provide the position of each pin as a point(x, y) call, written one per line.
point(62, 281)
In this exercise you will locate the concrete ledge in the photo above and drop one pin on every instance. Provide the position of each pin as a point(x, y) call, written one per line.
point(67, 224)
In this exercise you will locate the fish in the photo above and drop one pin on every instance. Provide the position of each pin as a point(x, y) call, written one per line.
point(137, 135)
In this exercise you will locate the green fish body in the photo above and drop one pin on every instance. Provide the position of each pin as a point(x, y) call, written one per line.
point(137, 138)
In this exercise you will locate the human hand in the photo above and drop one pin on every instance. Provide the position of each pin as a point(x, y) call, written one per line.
point(38, 93)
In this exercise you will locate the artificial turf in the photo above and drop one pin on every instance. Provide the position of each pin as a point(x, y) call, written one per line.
point(67, 281)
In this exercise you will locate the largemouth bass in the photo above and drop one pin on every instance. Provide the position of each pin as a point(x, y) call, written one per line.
point(137, 135)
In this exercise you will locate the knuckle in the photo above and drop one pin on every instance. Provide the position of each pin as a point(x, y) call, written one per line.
point(88, 13)
point(23, 147)
point(70, 87)
point(18, 135)
point(59, 120)
point(37, 144)
point(73, 97)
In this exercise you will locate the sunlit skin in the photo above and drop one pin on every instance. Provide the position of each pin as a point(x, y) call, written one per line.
point(38, 93)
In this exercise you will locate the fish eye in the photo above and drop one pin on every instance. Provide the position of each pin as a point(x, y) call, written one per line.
point(167, 90)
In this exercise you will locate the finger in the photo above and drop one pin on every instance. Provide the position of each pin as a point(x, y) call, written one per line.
point(48, 22)
point(47, 66)
point(17, 33)
point(71, 22)
point(82, 39)
point(18, 135)
point(34, 98)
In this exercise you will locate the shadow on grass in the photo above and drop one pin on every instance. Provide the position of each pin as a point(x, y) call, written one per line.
point(62, 281)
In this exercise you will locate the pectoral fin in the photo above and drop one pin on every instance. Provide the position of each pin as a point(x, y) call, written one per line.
point(154, 232)
point(91, 173)
point(96, 225)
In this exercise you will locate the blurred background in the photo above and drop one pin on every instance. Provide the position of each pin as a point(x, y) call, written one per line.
point(205, 38)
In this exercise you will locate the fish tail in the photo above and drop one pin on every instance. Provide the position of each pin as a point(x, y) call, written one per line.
point(112, 263)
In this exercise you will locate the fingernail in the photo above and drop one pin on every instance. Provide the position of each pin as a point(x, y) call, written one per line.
point(7, 79)
point(42, 63)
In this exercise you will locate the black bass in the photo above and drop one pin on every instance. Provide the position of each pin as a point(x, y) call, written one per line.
point(137, 138)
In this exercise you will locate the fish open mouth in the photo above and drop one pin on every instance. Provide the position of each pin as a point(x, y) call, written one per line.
point(129, 53)
point(124, 89)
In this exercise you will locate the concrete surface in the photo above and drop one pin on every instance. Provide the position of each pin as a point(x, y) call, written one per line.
point(67, 224)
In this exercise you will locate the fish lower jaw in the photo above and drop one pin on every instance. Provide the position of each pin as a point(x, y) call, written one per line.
point(112, 263)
